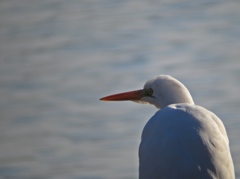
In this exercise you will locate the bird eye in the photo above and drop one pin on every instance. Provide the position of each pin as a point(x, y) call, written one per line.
point(150, 91)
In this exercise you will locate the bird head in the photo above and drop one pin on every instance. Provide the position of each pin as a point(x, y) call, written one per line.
point(160, 91)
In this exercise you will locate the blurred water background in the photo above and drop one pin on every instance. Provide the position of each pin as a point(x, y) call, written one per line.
point(58, 57)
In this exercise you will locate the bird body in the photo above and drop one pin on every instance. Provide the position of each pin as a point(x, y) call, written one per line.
point(182, 140)
point(185, 141)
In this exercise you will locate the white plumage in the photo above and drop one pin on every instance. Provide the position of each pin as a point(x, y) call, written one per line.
point(182, 140)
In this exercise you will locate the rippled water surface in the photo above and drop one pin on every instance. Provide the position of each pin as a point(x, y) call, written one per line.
point(59, 57)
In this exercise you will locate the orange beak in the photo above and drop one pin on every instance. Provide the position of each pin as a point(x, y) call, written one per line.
point(131, 95)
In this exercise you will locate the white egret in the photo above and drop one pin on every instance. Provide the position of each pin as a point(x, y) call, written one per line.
point(182, 140)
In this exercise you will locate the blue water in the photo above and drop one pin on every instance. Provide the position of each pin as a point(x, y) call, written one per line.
point(59, 57)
